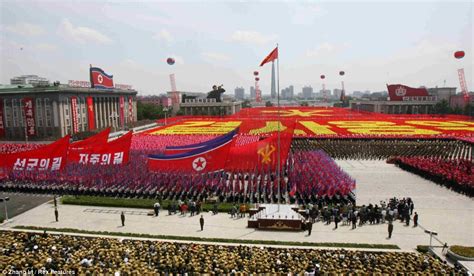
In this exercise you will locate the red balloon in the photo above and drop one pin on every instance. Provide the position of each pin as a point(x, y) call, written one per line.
point(323, 77)
point(170, 61)
point(341, 73)
point(257, 79)
point(255, 73)
point(459, 54)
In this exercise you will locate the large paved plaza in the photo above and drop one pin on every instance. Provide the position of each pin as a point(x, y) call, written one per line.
point(441, 210)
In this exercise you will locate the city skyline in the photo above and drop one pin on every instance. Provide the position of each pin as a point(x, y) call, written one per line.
point(224, 43)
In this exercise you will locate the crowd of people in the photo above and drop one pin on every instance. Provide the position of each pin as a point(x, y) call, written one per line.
point(381, 149)
point(42, 252)
point(7, 148)
point(310, 172)
point(315, 173)
point(346, 213)
point(457, 174)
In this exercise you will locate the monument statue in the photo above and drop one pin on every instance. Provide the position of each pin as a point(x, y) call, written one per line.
point(216, 93)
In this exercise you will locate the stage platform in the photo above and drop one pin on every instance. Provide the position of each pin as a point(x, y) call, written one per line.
point(273, 217)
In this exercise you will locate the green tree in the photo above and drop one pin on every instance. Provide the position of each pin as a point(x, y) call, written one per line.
point(268, 104)
point(246, 104)
point(304, 104)
point(468, 110)
point(149, 111)
point(441, 107)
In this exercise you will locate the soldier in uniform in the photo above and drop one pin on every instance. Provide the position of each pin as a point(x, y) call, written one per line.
point(122, 217)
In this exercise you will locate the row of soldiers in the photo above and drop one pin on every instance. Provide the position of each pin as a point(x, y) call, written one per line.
point(381, 149)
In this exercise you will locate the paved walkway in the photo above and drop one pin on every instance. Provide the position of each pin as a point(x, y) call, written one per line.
point(440, 210)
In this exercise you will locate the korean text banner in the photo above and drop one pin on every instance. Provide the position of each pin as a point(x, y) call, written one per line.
point(51, 157)
point(75, 115)
point(116, 152)
point(2, 127)
point(29, 116)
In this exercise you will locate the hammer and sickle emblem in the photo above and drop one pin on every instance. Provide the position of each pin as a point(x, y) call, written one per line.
point(266, 152)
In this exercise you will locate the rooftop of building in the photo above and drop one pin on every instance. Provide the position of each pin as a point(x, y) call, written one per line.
point(28, 88)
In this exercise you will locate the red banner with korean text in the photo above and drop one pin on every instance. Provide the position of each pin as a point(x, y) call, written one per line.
point(75, 123)
point(51, 157)
point(97, 140)
point(90, 113)
point(122, 111)
point(29, 116)
point(130, 109)
point(116, 152)
point(2, 126)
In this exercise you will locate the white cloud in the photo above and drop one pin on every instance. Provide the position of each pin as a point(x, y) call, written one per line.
point(25, 29)
point(210, 56)
point(82, 34)
point(326, 49)
point(164, 35)
point(252, 37)
point(46, 47)
point(305, 13)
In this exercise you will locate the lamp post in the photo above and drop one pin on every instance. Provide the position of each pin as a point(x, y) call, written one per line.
point(5, 199)
point(165, 109)
point(431, 233)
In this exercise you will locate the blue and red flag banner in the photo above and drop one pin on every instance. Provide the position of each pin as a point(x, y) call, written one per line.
point(205, 159)
point(100, 79)
point(186, 148)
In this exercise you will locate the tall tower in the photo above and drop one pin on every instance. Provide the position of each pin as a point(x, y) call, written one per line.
point(273, 91)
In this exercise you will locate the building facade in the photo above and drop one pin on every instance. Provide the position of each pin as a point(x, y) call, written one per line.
point(394, 107)
point(307, 92)
point(253, 93)
point(52, 116)
point(29, 79)
point(209, 107)
point(239, 93)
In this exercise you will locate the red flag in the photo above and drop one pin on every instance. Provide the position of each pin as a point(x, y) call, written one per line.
point(99, 139)
point(90, 113)
point(210, 158)
point(397, 92)
point(260, 155)
point(271, 57)
point(115, 152)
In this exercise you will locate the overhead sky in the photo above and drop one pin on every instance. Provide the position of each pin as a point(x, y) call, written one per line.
point(216, 42)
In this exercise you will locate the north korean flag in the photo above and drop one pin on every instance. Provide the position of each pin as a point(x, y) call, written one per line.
point(100, 79)
point(201, 160)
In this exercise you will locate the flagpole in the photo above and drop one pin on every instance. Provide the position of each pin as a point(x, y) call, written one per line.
point(278, 135)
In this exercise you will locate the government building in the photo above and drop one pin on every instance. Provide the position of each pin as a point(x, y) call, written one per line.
point(46, 112)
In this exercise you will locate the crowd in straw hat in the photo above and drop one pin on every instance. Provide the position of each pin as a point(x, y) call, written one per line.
point(22, 251)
